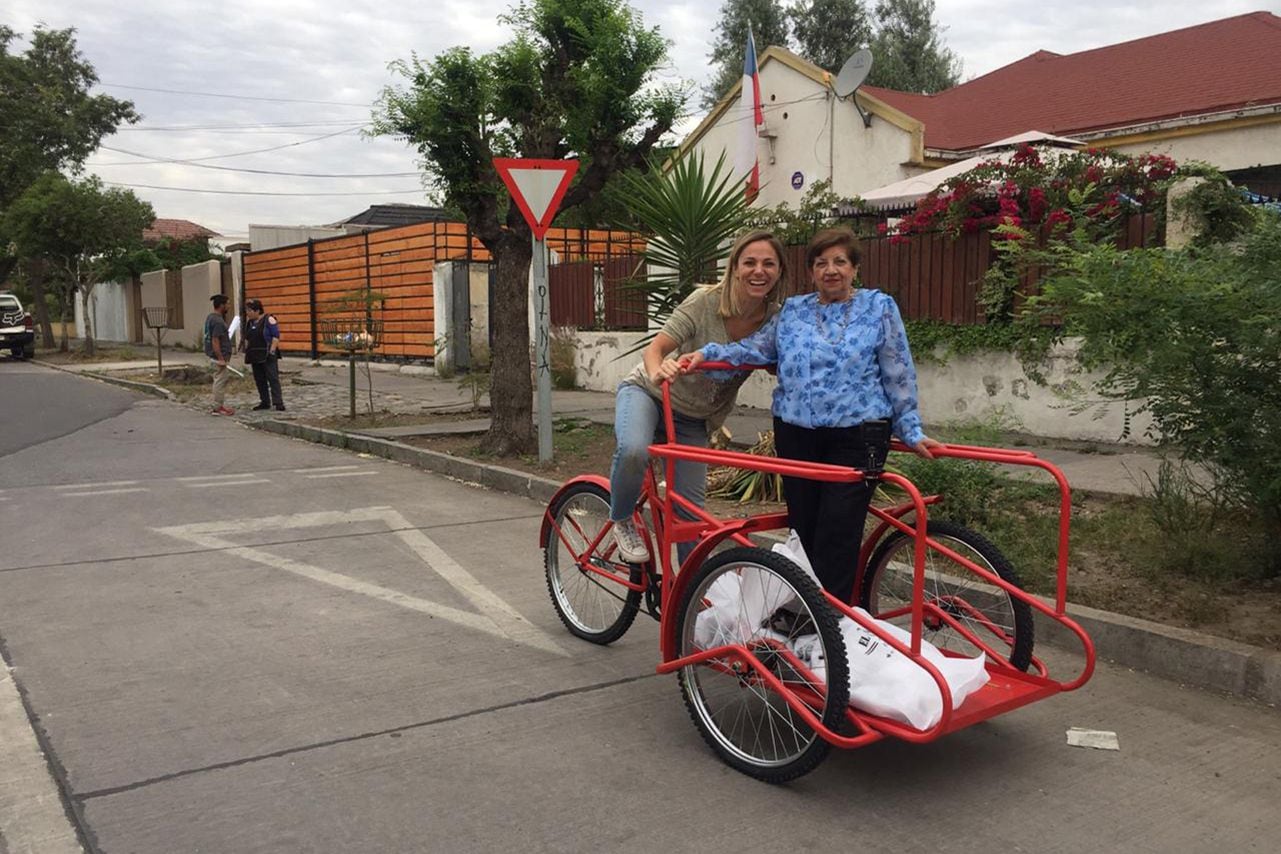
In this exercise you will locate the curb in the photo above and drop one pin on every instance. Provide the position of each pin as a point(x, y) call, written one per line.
point(134, 385)
point(1181, 655)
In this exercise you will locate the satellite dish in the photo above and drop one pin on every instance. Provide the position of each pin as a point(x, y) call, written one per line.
point(853, 73)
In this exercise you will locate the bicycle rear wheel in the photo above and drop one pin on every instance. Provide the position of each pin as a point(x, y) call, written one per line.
point(747, 723)
point(990, 613)
point(585, 583)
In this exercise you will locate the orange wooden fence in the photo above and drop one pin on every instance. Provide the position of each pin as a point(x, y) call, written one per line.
point(301, 284)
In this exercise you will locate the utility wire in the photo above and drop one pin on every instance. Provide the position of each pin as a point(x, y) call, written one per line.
point(268, 171)
point(261, 193)
point(232, 97)
point(260, 127)
point(158, 159)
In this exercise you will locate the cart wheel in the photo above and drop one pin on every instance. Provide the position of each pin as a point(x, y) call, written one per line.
point(748, 724)
point(887, 586)
point(593, 606)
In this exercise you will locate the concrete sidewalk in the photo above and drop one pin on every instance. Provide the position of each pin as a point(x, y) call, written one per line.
point(320, 389)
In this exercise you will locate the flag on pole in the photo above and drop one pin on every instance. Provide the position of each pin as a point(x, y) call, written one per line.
point(751, 119)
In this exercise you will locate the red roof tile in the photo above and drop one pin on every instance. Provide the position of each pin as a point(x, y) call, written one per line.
point(1209, 68)
point(176, 229)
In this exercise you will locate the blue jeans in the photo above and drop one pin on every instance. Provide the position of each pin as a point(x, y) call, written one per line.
point(638, 423)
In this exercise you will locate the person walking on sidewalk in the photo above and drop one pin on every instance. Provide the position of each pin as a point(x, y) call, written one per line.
point(262, 353)
point(748, 295)
point(218, 348)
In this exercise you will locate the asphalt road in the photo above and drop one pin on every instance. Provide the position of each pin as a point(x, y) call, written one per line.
point(226, 641)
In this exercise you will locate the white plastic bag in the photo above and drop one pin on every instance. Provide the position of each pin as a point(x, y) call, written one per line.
point(883, 681)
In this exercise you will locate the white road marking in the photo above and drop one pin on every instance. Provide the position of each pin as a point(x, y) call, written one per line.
point(4, 498)
point(215, 477)
point(96, 485)
point(214, 483)
point(325, 468)
point(107, 491)
point(31, 813)
point(341, 474)
point(495, 617)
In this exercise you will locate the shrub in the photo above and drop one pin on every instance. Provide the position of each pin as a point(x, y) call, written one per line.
point(1192, 336)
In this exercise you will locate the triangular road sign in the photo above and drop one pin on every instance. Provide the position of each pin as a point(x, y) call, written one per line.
point(537, 186)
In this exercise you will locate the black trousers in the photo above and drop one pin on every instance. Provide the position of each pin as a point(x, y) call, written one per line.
point(829, 517)
point(267, 378)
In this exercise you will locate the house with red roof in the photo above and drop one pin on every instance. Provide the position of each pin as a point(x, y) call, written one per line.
point(181, 230)
point(1210, 92)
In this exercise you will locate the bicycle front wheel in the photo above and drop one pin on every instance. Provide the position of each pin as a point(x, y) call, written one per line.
point(759, 599)
point(586, 581)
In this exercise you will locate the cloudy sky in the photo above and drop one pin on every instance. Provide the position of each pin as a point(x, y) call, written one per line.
point(215, 81)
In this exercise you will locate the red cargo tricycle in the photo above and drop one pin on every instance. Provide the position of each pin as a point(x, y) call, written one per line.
point(760, 705)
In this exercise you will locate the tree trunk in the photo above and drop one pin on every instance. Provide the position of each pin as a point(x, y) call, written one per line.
point(511, 390)
point(36, 275)
point(85, 293)
point(68, 297)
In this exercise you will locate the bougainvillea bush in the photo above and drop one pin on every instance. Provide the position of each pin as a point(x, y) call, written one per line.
point(1038, 188)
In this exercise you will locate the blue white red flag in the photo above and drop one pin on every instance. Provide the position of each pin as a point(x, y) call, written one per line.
point(750, 120)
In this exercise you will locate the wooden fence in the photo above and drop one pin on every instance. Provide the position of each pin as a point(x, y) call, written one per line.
point(303, 284)
point(933, 276)
point(591, 294)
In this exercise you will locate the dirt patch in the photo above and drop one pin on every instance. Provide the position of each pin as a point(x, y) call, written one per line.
point(389, 419)
point(103, 353)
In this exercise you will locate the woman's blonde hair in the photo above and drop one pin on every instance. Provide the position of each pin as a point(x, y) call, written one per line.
point(729, 306)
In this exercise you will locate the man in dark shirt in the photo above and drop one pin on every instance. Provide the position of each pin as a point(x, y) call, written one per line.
point(218, 348)
point(262, 353)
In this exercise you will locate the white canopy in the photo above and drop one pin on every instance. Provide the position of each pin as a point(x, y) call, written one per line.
point(908, 190)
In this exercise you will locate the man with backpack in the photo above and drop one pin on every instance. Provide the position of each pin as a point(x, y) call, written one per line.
point(262, 346)
point(218, 348)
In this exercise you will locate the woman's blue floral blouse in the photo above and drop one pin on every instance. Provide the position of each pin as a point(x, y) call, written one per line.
point(839, 364)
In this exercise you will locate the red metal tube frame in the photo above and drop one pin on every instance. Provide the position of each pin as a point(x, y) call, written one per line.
point(671, 452)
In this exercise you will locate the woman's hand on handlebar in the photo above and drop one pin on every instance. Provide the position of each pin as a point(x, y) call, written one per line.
point(922, 448)
point(690, 361)
point(667, 370)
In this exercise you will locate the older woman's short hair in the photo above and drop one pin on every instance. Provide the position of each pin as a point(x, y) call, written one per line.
point(829, 237)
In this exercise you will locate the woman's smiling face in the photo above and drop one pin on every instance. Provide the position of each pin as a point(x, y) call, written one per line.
point(834, 274)
point(757, 270)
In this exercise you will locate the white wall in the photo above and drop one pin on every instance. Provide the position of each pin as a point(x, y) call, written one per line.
point(273, 236)
point(819, 137)
point(199, 283)
point(1239, 148)
point(110, 311)
point(987, 388)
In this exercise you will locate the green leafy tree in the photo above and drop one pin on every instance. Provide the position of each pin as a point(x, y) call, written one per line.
point(769, 26)
point(828, 32)
point(575, 81)
point(81, 230)
point(50, 122)
point(908, 53)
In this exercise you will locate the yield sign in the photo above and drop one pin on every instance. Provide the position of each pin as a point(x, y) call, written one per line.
point(537, 186)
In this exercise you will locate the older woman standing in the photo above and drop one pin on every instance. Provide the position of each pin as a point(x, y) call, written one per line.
point(747, 296)
point(845, 376)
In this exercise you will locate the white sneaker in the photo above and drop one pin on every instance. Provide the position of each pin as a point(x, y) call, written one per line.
point(631, 546)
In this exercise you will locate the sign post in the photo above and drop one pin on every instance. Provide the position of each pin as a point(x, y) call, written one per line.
point(537, 187)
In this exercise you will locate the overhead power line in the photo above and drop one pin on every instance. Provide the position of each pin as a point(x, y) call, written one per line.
point(259, 127)
point(267, 171)
point(233, 97)
point(419, 191)
point(158, 159)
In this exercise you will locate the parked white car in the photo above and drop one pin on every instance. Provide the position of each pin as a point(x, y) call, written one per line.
point(17, 329)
